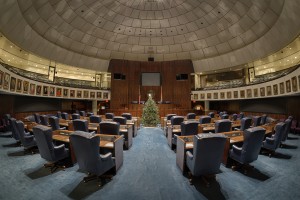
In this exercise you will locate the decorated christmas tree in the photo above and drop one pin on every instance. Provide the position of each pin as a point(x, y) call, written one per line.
point(150, 113)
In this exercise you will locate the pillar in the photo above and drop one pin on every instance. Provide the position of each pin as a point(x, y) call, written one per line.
point(94, 107)
point(206, 106)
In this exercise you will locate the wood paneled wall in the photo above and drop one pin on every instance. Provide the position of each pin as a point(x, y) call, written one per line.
point(123, 92)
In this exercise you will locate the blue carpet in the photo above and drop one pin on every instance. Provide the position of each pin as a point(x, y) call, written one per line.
point(149, 172)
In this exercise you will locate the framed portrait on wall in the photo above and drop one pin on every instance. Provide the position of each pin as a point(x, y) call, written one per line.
point(92, 95)
point(208, 95)
point(195, 97)
point(235, 94)
point(38, 90)
point(65, 92)
point(13, 81)
point(58, 92)
point(72, 93)
point(85, 94)
point(216, 95)
point(19, 85)
point(262, 91)
point(99, 95)
point(25, 87)
point(32, 89)
point(288, 86)
point(52, 91)
point(294, 84)
point(202, 96)
point(255, 92)
point(6, 81)
point(269, 91)
point(242, 93)
point(229, 95)
point(79, 94)
point(249, 93)
point(222, 95)
point(281, 87)
point(275, 89)
point(45, 90)
point(1, 78)
point(105, 95)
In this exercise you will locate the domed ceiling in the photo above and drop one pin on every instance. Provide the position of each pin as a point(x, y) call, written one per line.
point(213, 33)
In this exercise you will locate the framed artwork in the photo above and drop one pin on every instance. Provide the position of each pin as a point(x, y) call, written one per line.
point(235, 94)
point(25, 87)
point(249, 93)
point(255, 92)
point(288, 86)
point(294, 84)
point(58, 92)
point(52, 91)
point(202, 96)
point(38, 90)
point(79, 94)
point(208, 95)
point(242, 93)
point(92, 95)
point(85, 94)
point(99, 95)
point(275, 89)
point(65, 92)
point(32, 89)
point(216, 95)
point(105, 95)
point(251, 73)
point(19, 85)
point(228, 95)
point(45, 90)
point(13, 81)
point(222, 94)
point(72, 93)
point(281, 87)
point(1, 78)
point(195, 97)
point(6, 81)
point(262, 92)
point(269, 91)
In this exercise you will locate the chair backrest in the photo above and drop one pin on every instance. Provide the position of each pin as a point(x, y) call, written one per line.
point(127, 116)
point(189, 127)
point(169, 116)
point(65, 115)
point(234, 117)
point(256, 120)
point(290, 117)
point(263, 119)
point(21, 129)
point(223, 125)
point(75, 116)
point(279, 133)
point(82, 113)
point(205, 120)
point(88, 114)
point(288, 123)
point(43, 138)
point(241, 116)
point(245, 123)
point(176, 120)
point(44, 120)
point(7, 117)
point(14, 129)
point(54, 123)
point(207, 153)
point(81, 125)
point(253, 139)
point(121, 120)
point(95, 119)
point(211, 114)
point(191, 116)
point(111, 128)
point(109, 115)
point(58, 114)
point(294, 123)
point(225, 116)
point(37, 118)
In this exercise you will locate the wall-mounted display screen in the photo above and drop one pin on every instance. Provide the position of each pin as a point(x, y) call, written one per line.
point(151, 79)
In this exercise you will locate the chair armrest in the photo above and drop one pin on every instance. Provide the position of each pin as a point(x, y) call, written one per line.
point(189, 155)
point(93, 132)
point(236, 149)
point(105, 157)
point(59, 149)
point(63, 128)
point(270, 140)
point(237, 129)
point(28, 136)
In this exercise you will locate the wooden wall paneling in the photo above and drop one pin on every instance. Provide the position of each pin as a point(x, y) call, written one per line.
point(168, 79)
point(134, 73)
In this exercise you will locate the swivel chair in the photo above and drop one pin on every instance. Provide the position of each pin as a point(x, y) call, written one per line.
point(223, 125)
point(205, 120)
point(95, 119)
point(54, 123)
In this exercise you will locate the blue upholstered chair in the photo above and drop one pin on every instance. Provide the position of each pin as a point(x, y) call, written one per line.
point(51, 153)
point(211, 114)
point(86, 149)
point(256, 121)
point(81, 125)
point(14, 129)
point(44, 120)
point(26, 139)
point(225, 116)
point(37, 118)
point(263, 119)
point(221, 113)
point(176, 120)
point(205, 120)
point(169, 116)
point(234, 117)
point(110, 128)
point(128, 116)
point(58, 114)
point(207, 155)
point(88, 114)
point(288, 123)
point(253, 139)
point(187, 128)
point(223, 125)
point(75, 116)
point(109, 115)
point(241, 115)
point(95, 119)
point(7, 122)
point(121, 120)
point(272, 143)
point(54, 123)
point(82, 113)
point(245, 123)
point(191, 116)
point(65, 115)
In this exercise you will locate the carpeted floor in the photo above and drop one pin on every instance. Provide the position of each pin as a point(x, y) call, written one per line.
point(149, 172)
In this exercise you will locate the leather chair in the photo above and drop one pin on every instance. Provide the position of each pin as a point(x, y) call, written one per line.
point(53, 154)
point(65, 116)
point(54, 123)
point(207, 155)
point(86, 149)
point(128, 116)
point(14, 129)
point(263, 119)
point(95, 119)
point(256, 121)
point(37, 118)
point(187, 128)
point(225, 116)
point(241, 116)
point(110, 128)
point(191, 116)
point(44, 120)
point(288, 123)
point(176, 120)
point(205, 120)
point(109, 115)
point(121, 120)
point(27, 140)
point(223, 125)
point(58, 114)
point(81, 125)
point(82, 113)
point(6, 119)
point(272, 143)
point(293, 126)
point(169, 116)
point(253, 139)
point(245, 123)
point(234, 117)
point(88, 114)
point(211, 114)
point(75, 116)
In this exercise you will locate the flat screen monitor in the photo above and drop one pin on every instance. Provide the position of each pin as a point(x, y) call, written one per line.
point(151, 79)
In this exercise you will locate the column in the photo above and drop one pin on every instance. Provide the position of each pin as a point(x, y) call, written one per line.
point(94, 107)
point(206, 106)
